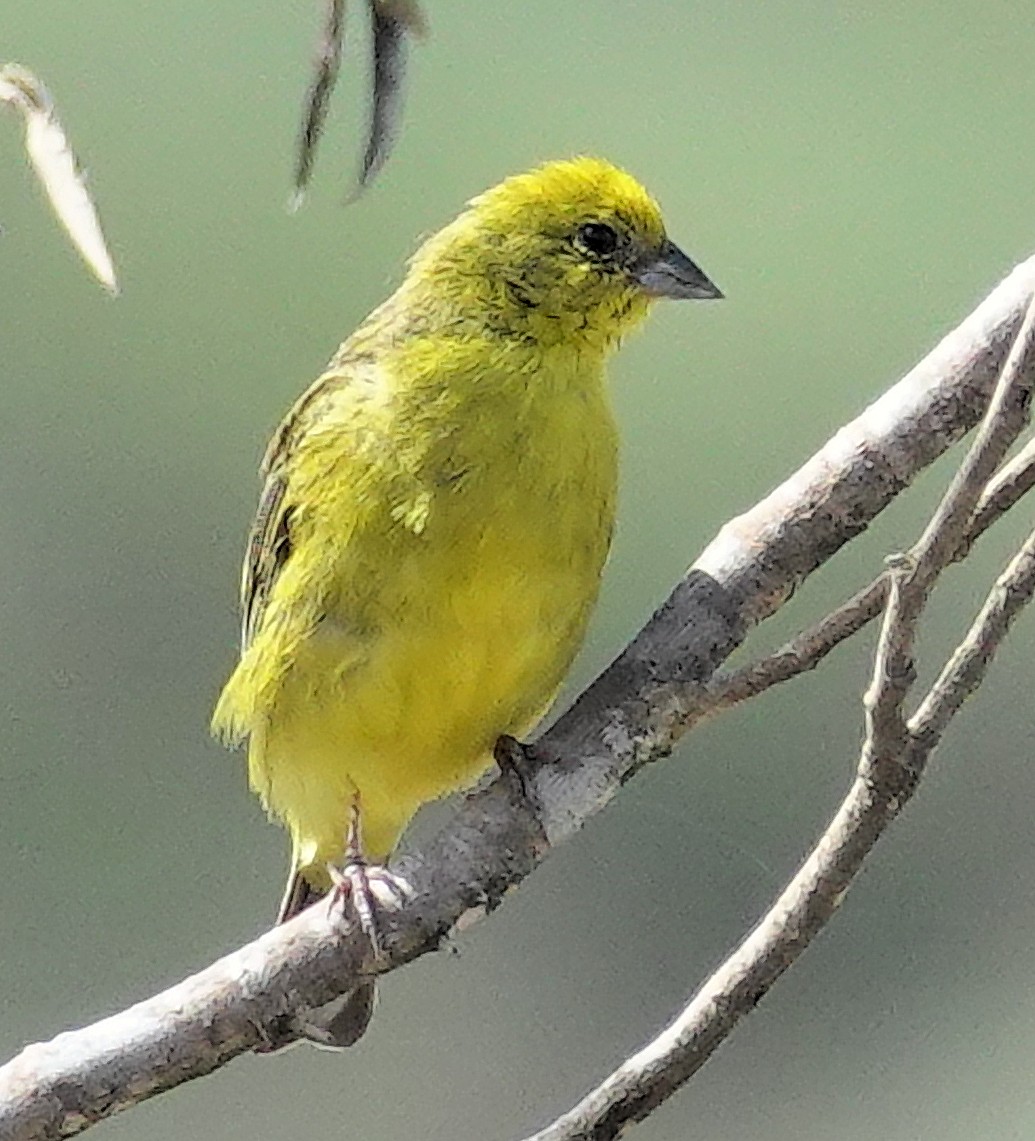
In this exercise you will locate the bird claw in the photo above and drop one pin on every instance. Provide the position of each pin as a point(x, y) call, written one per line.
point(369, 887)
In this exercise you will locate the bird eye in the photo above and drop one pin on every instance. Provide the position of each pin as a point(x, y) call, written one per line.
point(597, 238)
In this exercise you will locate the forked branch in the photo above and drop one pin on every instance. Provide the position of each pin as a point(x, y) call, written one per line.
point(894, 757)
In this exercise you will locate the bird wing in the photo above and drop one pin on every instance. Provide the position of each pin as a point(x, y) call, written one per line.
point(269, 545)
point(327, 409)
point(269, 542)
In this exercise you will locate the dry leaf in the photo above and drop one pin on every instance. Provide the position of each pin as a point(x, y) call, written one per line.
point(327, 63)
point(55, 165)
point(391, 22)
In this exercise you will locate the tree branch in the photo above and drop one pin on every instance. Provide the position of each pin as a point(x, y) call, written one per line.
point(892, 761)
point(632, 714)
point(806, 650)
point(653, 1074)
point(966, 669)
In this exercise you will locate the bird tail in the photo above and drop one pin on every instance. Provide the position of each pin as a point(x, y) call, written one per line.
point(298, 895)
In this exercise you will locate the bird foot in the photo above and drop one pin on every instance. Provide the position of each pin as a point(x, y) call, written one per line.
point(369, 888)
point(366, 886)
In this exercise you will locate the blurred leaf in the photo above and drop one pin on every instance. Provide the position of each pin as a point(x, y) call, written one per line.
point(391, 22)
point(327, 63)
point(55, 165)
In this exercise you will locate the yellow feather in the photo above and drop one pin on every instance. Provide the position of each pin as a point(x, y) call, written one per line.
point(438, 510)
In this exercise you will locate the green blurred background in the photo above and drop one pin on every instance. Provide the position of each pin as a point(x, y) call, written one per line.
point(855, 177)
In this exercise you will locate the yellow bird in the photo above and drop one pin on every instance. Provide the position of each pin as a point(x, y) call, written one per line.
point(437, 511)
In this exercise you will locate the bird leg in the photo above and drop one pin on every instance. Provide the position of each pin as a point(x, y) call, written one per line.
point(368, 886)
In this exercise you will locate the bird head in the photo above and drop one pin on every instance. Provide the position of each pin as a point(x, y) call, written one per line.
point(573, 251)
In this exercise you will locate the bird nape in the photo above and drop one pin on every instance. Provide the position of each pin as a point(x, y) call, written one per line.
point(436, 514)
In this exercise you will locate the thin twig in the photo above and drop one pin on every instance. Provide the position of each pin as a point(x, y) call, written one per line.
point(806, 650)
point(1008, 414)
point(1010, 484)
point(913, 575)
point(966, 669)
point(893, 670)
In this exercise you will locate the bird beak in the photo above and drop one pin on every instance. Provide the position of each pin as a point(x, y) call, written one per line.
point(670, 273)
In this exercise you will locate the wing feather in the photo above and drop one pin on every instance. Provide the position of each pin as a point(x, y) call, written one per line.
point(269, 547)
point(270, 540)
